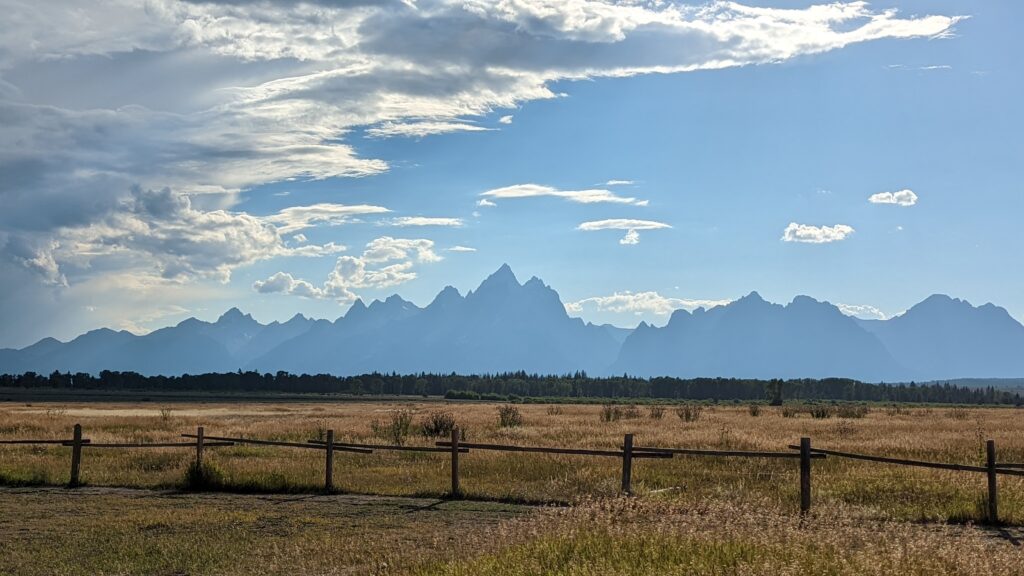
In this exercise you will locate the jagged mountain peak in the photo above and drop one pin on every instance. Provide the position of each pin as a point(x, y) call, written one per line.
point(502, 278)
point(234, 315)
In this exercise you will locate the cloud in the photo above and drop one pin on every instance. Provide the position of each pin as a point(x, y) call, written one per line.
point(639, 303)
point(631, 237)
point(461, 249)
point(578, 196)
point(815, 234)
point(618, 183)
point(423, 221)
point(632, 227)
point(863, 311)
point(505, 119)
point(242, 94)
point(297, 218)
point(900, 198)
point(484, 202)
point(421, 129)
point(385, 262)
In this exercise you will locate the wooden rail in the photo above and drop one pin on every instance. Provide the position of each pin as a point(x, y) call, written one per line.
point(280, 443)
point(395, 447)
point(917, 463)
point(727, 453)
point(62, 442)
point(570, 451)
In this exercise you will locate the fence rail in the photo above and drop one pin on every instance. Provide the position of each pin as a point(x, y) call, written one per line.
point(627, 452)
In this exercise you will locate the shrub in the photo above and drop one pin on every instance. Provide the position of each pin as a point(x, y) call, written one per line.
point(655, 412)
point(509, 416)
point(554, 410)
point(689, 412)
point(754, 409)
point(206, 477)
point(394, 430)
point(631, 412)
point(789, 412)
point(165, 414)
point(821, 411)
point(610, 413)
point(852, 411)
point(438, 424)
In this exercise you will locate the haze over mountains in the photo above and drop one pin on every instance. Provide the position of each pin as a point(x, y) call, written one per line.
point(504, 325)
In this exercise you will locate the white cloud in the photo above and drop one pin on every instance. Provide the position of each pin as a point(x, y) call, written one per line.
point(632, 228)
point(298, 218)
point(631, 237)
point(384, 263)
point(900, 198)
point(579, 196)
point(618, 183)
point(863, 311)
point(815, 234)
point(300, 238)
point(421, 129)
point(505, 119)
point(423, 221)
point(484, 202)
point(639, 303)
point(461, 249)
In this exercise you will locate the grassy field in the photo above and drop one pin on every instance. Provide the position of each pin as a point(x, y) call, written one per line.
point(693, 515)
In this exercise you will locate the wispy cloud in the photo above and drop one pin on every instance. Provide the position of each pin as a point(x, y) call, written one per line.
point(900, 198)
point(640, 303)
point(816, 234)
point(485, 203)
point(631, 226)
point(505, 119)
point(618, 183)
point(461, 249)
point(421, 129)
point(594, 196)
point(298, 218)
point(405, 221)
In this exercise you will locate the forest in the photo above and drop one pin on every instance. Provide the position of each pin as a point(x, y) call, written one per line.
point(524, 386)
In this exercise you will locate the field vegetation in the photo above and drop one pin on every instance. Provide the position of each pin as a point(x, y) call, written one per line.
point(691, 515)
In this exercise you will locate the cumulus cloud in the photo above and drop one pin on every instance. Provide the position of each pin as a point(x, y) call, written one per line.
point(631, 226)
point(385, 262)
point(815, 234)
point(639, 303)
point(863, 311)
point(505, 119)
point(900, 198)
point(423, 221)
point(579, 196)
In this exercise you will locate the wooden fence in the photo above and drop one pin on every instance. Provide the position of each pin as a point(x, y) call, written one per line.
point(456, 447)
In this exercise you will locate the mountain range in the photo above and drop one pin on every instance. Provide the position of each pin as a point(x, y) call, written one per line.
point(505, 325)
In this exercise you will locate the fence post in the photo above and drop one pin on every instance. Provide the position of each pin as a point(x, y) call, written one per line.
point(329, 475)
point(627, 464)
point(805, 475)
point(993, 485)
point(199, 449)
point(76, 456)
point(456, 435)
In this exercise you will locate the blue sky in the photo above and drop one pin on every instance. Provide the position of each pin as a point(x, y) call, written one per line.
point(180, 158)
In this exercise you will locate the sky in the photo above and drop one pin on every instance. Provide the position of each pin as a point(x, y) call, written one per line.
point(162, 159)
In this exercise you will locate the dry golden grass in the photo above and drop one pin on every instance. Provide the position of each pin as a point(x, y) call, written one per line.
point(875, 490)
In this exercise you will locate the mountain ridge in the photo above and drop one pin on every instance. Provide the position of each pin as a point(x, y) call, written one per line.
point(504, 325)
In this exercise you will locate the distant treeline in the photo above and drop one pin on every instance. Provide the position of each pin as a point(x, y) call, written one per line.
point(515, 385)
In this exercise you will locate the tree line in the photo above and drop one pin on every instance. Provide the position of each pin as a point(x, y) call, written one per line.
point(517, 385)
